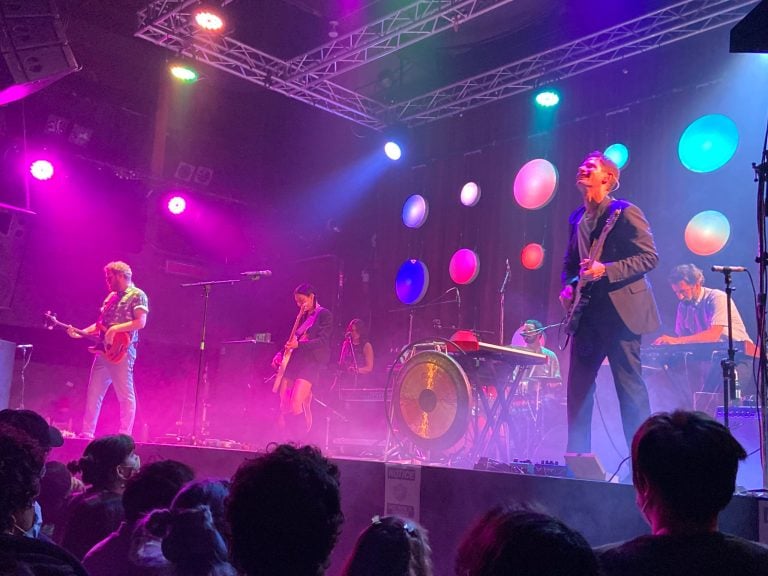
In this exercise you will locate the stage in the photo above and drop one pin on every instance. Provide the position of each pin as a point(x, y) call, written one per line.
point(446, 500)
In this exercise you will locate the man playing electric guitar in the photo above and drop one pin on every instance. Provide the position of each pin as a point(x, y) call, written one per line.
point(124, 309)
point(620, 306)
point(309, 351)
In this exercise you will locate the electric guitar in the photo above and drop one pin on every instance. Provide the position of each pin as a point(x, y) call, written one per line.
point(287, 352)
point(114, 352)
point(583, 287)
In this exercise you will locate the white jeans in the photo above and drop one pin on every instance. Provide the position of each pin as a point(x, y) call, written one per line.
point(104, 373)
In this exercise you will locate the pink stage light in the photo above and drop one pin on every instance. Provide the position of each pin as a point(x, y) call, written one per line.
point(177, 205)
point(41, 170)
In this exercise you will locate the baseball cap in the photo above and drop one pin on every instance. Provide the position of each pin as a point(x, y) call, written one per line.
point(34, 425)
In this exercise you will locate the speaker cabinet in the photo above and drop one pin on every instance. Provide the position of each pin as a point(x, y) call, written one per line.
point(744, 424)
point(7, 354)
point(34, 48)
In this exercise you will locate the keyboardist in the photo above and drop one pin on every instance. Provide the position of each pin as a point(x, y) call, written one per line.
point(702, 317)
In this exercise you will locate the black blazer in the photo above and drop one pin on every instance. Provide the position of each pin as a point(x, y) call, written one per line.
point(316, 342)
point(628, 254)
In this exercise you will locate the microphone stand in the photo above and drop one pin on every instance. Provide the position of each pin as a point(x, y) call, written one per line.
point(206, 285)
point(761, 177)
point(728, 365)
point(502, 297)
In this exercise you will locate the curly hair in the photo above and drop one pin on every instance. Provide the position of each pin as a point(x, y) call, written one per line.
point(284, 512)
point(688, 273)
point(119, 267)
point(21, 464)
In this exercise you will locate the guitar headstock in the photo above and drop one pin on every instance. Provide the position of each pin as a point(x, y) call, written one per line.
point(49, 320)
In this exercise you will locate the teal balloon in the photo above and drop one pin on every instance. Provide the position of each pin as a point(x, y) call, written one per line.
point(708, 143)
point(618, 153)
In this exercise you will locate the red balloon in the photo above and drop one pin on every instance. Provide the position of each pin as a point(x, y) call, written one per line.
point(532, 256)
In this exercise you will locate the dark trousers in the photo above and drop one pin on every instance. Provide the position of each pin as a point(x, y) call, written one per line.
point(602, 334)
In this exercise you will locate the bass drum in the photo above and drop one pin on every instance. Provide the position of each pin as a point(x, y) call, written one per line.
point(432, 402)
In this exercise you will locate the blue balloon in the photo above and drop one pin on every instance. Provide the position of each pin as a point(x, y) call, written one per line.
point(708, 143)
point(412, 281)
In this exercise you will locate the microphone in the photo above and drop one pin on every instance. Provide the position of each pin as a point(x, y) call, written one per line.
point(24, 346)
point(256, 274)
point(728, 269)
point(508, 268)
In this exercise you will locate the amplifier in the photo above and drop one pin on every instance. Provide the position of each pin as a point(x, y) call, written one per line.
point(744, 423)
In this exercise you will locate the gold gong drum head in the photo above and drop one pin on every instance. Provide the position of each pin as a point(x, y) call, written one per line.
point(431, 400)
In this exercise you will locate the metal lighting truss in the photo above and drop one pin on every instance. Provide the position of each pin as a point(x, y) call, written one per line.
point(677, 22)
point(167, 23)
point(305, 78)
point(394, 31)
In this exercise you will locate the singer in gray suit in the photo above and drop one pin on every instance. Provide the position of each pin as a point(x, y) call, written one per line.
point(619, 306)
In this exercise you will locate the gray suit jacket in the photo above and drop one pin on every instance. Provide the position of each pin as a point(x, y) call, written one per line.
point(628, 254)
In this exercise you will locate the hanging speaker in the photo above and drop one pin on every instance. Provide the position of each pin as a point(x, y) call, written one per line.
point(35, 51)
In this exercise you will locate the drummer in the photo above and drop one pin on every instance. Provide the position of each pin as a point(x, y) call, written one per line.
point(532, 332)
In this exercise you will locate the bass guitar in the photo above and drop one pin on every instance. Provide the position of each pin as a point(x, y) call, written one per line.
point(287, 352)
point(583, 287)
point(114, 352)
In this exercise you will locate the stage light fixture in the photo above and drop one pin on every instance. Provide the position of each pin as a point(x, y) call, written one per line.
point(547, 98)
point(41, 170)
point(208, 18)
point(177, 205)
point(184, 72)
point(392, 150)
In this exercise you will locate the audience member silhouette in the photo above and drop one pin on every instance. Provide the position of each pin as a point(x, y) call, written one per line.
point(21, 464)
point(684, 468)
point(514, 542)
point(391, 546)
point(284, 512)
point(192, 530)
point(106, 465)
point(55, 491)
point(130, 550)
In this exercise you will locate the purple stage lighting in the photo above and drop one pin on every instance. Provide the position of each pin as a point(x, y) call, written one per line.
point(177, 205)
point(41, 170)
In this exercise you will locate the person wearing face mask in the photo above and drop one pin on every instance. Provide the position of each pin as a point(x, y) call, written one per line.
point(106, 465)
point(21, 466)
point(702, 317)
point(46, 436)
point(684, 468)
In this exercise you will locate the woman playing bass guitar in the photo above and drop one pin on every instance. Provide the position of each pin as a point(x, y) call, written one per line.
point(300, 361)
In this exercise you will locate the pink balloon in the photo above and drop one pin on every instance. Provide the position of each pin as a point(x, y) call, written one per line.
point(535, 184)
point(464, 266)
point(707, 233)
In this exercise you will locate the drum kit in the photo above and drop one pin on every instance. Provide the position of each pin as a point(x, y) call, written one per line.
point(457, 400)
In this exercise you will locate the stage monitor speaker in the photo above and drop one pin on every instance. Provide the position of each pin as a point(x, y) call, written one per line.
point(585, 466)
point(34, 48)
point(7, 355)
point(744, 424)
